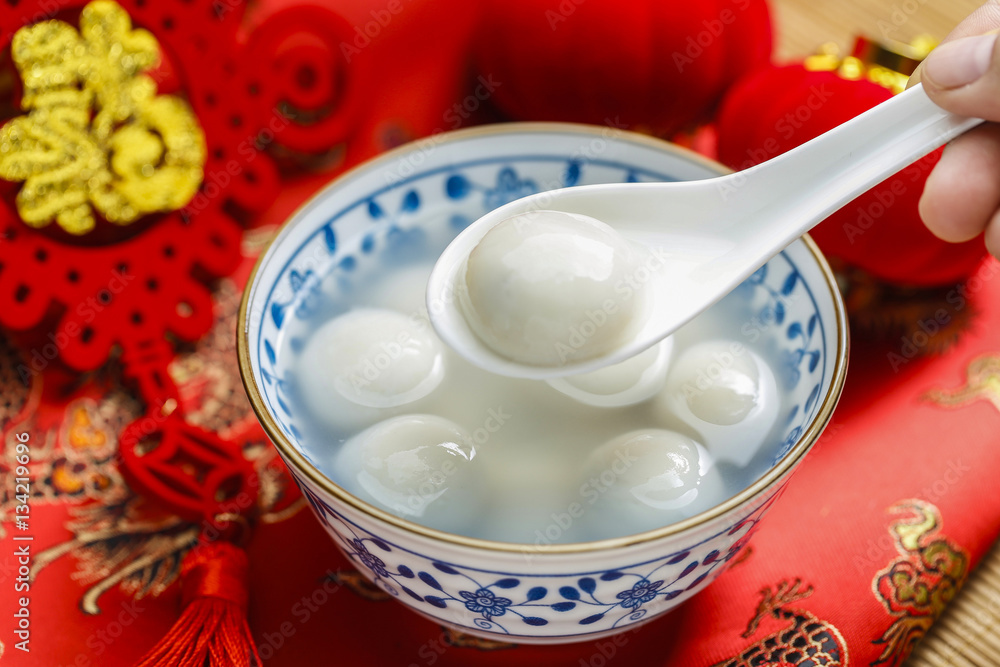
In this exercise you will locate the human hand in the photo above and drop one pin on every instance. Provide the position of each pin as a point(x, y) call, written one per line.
point(961, 198)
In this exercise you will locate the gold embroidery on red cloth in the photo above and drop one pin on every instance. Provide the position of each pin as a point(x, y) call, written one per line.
point(118, 539)
point(353, 581)
point(462, 640)
point(14, 386)
point(115, 540)
point(916, 586)
point(982, 383)
point(798, 638)
point(72, 461)
point(132, 544)
point(742, 557)
point(121, 545)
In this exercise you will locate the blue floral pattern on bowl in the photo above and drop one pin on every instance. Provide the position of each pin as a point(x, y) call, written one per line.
point(520, 604)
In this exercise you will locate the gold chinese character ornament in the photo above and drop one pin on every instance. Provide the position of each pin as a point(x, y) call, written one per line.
point(95, 135)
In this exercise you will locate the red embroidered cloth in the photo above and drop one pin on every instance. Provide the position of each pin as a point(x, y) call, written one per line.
point(873, 536)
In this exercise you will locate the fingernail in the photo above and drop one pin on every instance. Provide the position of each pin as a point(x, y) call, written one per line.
point(960, 62)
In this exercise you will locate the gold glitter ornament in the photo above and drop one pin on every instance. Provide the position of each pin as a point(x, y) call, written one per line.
point(888, 63)
point(96, 135)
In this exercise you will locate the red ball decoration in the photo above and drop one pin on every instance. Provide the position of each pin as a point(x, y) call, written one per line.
point(658, 66)
point(778, 108)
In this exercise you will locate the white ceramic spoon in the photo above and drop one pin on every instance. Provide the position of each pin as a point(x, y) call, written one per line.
point(716, 231)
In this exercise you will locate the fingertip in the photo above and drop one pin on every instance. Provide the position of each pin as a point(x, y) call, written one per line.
point(992, 236)
point(960, 62)
point(962, 192)
point(937, 207)
point(927, 208)
point(963, 76)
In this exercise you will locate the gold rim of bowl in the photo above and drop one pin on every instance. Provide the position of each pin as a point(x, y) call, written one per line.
point(293, 458)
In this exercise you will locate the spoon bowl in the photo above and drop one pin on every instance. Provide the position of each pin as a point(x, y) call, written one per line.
point(702, 238)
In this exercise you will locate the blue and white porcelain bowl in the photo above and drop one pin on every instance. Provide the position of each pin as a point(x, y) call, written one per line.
point(518, 592)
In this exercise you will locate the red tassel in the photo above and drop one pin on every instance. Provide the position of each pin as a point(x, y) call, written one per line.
point(212, 630)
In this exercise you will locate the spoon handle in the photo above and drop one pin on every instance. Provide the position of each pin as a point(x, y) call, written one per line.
point(800, 188)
